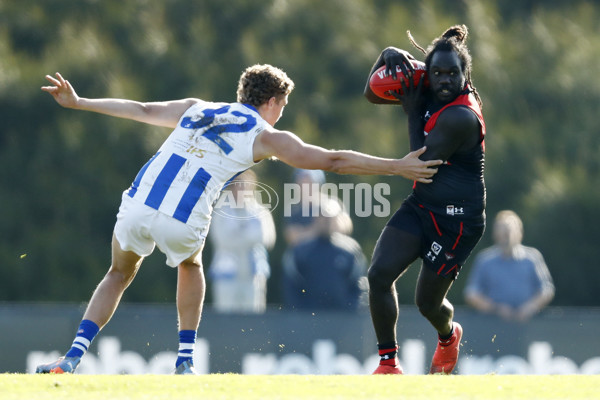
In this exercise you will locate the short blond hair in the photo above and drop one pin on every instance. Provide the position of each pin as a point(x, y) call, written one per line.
point(259, 83)
point(512, 220)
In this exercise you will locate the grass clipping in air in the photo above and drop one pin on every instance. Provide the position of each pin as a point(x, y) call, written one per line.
point(249, 387)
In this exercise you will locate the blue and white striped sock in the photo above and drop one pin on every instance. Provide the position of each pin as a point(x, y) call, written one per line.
point(187, 339)
point(85, 334)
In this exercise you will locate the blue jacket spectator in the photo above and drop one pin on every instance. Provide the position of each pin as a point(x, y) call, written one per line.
point(509, 279)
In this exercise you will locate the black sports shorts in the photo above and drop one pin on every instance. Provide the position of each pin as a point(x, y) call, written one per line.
point(446, 240)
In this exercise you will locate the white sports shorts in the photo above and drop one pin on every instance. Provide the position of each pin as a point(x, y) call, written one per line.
point(139, 228)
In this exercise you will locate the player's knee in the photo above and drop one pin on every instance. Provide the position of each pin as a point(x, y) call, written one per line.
point(426, 307)
point(121, 276)
point(377, 278)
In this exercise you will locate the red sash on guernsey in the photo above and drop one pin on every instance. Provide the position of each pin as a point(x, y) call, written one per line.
point(466, 99)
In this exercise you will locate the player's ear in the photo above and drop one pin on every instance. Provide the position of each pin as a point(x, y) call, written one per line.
point(272, 101)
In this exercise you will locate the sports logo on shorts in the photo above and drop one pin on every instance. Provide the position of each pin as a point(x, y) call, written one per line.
point(434, 252)
point(453, 210)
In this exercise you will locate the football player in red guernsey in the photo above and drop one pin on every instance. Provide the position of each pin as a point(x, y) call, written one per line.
point(440, 222)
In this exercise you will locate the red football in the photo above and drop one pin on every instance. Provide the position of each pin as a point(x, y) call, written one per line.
point(382, 84)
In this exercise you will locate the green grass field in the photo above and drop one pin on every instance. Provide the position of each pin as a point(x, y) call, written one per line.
point(249, 387)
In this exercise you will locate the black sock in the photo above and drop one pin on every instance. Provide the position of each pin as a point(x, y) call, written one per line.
point(448, 336)
point(388, 352)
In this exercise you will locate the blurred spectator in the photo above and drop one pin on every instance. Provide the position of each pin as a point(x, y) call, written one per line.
point(301, 224)
point(324, 272)
point(509, 279)
point(242, 230)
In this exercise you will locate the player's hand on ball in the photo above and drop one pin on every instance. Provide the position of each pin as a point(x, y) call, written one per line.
point(397, 57)
point(383, 84)
point(411, 95)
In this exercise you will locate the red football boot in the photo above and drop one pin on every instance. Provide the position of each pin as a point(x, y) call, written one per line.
point(446, 353)
point(388, 364)
point(388, 369)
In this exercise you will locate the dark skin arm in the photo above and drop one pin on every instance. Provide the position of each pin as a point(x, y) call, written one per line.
point(390, 56)
point(456, 130)
point(413, 102)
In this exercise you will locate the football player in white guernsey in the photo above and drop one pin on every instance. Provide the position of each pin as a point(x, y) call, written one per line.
point(169, 203)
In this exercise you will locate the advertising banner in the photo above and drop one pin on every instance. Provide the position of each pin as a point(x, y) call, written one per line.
point(142, 339)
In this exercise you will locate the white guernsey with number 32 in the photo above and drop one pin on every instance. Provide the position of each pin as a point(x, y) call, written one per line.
point(211, 144)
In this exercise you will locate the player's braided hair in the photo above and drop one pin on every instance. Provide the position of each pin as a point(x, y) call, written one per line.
point(453, 39)
point(259, 83)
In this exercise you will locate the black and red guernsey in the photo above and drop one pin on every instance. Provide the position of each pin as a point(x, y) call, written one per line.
point(459, 184)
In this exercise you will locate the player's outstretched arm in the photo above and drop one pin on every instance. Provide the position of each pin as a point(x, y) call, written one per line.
point(156, 113)
point(290, 149)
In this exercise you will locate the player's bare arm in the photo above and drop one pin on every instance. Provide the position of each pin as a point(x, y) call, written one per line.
point(412, 99)
point(456, 130)
point(165, 114)
point(290, 149)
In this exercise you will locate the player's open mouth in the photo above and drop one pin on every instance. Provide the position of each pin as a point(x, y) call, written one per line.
point(443, 94)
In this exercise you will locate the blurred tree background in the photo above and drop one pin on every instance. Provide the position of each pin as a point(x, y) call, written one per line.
point(62, 172)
